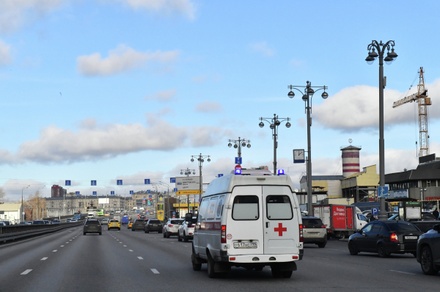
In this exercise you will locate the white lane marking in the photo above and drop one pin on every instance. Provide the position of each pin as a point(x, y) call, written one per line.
point(45, 258)
point(124, 245)
point(54, 250)
point(62, 245)
point(26, 272)
point(155, 271)
point(141, 258)
point(402, 272)
point(130, 250)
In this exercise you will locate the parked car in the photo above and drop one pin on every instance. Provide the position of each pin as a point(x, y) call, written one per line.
point(171, 227)
point(138, 224)
point(153, 225)
point(114, 224)
point(424, 216)
point(5, 223)
point(130, 224)
point(38, 222)
point(314, 231)
point(385, 237)
point(92, 225)
point(105, 221)
point(428, 251)
point(186, 229)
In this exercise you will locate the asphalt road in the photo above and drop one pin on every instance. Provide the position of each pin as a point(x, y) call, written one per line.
point(134, 261)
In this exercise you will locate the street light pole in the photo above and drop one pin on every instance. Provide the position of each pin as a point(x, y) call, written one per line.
point(372, 55)
point(22, 203)
point(307, 96)
point(274, 123)
point(201, 158)
point(240, 142)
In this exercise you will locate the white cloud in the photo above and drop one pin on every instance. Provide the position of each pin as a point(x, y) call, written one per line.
point(92, 142)
point(357, 107)
point(121, 59)
point(183, 7)
point(5, 53)
point(165, 95)
point(14, 13)
point(263, 48)
point(209, 106)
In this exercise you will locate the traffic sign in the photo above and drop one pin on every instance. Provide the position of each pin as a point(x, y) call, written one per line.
point(382, 191)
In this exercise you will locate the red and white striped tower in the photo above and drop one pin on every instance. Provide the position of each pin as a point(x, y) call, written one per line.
point(350, 160)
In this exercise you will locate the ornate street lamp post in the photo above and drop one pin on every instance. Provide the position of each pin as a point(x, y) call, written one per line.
point(274, 123)
point(200, 158)
point(372, 55)
point(240, 142)
point(307, 95)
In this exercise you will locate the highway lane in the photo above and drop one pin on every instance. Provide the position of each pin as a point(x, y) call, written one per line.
point(135, 261)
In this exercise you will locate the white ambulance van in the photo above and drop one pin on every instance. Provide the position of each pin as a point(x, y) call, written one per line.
point(250, 219)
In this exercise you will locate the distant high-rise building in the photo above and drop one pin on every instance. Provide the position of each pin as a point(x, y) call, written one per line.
point(57, 192)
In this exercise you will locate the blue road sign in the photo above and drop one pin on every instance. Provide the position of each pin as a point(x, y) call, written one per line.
point(382, 191)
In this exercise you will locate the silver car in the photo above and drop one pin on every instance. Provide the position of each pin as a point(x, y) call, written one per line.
point(314, 231)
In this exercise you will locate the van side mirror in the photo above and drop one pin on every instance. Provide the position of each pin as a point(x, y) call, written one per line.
point(436, 227)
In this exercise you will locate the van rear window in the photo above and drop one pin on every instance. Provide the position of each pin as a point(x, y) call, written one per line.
point(279, 207)
point(245, 208)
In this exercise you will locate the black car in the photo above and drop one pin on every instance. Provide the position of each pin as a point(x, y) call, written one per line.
point(92, 226)
point(153, 225)
point(138, 224)
point(428, 251)
point(385, 237)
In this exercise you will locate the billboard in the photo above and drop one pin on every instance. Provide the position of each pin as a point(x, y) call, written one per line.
point(188, 185)
point(103, 201)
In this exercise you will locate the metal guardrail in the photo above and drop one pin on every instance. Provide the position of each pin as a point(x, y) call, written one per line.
point(18, 232)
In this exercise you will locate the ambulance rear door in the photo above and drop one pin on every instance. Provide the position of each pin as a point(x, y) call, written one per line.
point(280, 220)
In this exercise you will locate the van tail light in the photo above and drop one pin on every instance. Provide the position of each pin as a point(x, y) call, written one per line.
point(394, 237)
point(223, 234)
point(301, 234)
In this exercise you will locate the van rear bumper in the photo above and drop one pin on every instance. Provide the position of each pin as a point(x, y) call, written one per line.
point(261, 259)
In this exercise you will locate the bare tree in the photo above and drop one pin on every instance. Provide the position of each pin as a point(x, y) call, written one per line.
point(2, 195)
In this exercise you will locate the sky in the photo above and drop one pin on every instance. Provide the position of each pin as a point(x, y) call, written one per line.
point(132, 89)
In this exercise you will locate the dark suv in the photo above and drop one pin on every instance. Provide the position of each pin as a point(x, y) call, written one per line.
point(153, 225)
point(92, 226)
point(138, 224)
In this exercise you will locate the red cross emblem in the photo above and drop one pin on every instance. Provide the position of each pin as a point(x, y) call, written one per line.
point(280, 229)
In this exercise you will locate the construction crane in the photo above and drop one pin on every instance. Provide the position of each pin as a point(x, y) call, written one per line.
point(423, 101)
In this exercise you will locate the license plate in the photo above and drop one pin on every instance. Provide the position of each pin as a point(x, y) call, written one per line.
point(245, 244)
point(411, 237)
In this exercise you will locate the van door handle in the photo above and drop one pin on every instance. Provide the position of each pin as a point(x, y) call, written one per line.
point(267, 224)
